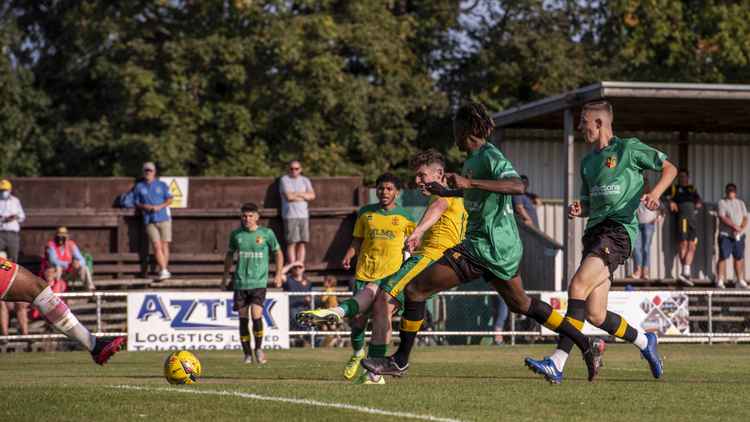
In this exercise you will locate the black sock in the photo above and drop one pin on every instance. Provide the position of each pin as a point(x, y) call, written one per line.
point(618, 327)
point(576, 315)
point(411, 322)
point(258, 332)
point(544, 314)
point(245, 335)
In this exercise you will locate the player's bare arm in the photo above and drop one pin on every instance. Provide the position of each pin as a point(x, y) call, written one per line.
point(228, 262)
point(278, 279)
point(668, 173)
point(430, 217)
point(351, 252)
point(510, 186)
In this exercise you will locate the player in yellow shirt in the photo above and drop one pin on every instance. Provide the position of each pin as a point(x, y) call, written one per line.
point(379, 235)
point(442, 226)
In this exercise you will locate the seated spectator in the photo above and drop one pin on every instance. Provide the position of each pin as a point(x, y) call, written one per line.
point(328, 302)
point(525, 204)
point(294, 280)
point(732, 225)
point(685, 202)
point(647, 220)
point(65, 257)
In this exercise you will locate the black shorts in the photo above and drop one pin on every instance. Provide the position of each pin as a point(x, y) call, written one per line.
point(609, 241)
point(249, 297)
point(465, 266)
point(686, 229)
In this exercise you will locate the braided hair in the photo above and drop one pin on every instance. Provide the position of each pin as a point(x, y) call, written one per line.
point(473, 119)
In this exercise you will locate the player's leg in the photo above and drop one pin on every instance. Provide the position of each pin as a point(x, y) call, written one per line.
point(4, 318)
point(256, 313)
point(382, 311)
point(364, 296)
point(357, 325)
point(26, 287)
point(437, 277)
point(22, 316)
point(243, 310)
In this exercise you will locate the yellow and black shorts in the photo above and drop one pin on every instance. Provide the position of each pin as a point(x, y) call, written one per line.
point(395, 284)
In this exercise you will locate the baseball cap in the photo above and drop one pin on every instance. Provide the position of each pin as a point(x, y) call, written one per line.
point(5, 184)
point(149, 166)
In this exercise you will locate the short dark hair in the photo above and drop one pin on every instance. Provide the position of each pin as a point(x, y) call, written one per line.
point(731, 187)
point(473, 119)
point(249, 207)
point(683, 170)
point(524, 177)
point(426, 158)
point(389, 177)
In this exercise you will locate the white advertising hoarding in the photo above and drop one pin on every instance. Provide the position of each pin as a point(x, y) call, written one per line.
point(199, 321)
point(665, 313)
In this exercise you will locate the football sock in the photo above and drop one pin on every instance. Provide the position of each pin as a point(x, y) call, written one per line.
point(59, 315)
point(258, 332)
point(617, 326)
point(544, 314)
point(358, 338)
point(347, 308)
point(377, 350)
point(245, 335)
point(576, 315)
point(686, 270)
point(411, 322)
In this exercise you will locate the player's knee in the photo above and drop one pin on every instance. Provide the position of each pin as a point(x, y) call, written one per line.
point(596, 318)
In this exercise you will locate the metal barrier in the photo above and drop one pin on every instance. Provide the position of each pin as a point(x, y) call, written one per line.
point(709, 335)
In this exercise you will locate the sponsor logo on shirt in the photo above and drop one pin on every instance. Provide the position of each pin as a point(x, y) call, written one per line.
point(394, 221)
point(259, 240)
point(251, 255)
point(381, 234)
point(605, 190)
point(611, 162)
point(5, 265)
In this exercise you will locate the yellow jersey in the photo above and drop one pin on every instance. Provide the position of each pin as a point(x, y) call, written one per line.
point(447, 232)
point(383, 233)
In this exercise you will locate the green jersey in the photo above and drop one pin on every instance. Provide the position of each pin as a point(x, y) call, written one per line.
point(491, 234)
point(253, 249)
point(612, 181)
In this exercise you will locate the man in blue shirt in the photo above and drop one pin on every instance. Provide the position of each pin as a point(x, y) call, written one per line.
point(153, 198)
point(525, 205)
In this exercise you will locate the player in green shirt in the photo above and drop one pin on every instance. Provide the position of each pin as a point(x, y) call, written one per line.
point(491, 249)
point(611, 191)
point(252, 244)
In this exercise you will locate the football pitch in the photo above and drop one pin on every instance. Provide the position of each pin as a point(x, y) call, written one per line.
point(470, 383)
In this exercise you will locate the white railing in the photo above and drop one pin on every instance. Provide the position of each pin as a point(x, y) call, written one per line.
point(709, 336)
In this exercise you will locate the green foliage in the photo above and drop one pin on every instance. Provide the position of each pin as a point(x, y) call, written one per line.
point(93, 88)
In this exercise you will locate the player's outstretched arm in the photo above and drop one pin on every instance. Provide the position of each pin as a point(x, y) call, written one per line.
point(509, 186)
point(430, 217)
point(668, 173)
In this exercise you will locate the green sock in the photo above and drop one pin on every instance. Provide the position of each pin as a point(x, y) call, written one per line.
point(377, 350)
point(358, 338)
point(351, 308)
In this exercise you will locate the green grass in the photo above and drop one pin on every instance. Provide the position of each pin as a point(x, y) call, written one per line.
point(701, 382)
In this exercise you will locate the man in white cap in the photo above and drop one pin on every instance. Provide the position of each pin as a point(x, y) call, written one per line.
point(153, 198)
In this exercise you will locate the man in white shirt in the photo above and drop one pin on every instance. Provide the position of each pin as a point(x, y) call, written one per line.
point(296, 190)
point(732, 225)
point(11, 215)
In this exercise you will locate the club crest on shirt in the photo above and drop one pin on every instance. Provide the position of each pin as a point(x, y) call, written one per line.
point(259, 240)
point(611, 162)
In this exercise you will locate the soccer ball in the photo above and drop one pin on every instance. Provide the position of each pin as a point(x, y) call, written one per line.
point(182, 367)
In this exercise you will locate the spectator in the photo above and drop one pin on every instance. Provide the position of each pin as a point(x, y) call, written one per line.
point(732, 224)
point(685, 202)
point(647, 220)
point(153, 198)
point(295, 281)
point(500, 316)
point(296, 190)
point(525, 205)
point(65, 257)
point(11, 215)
